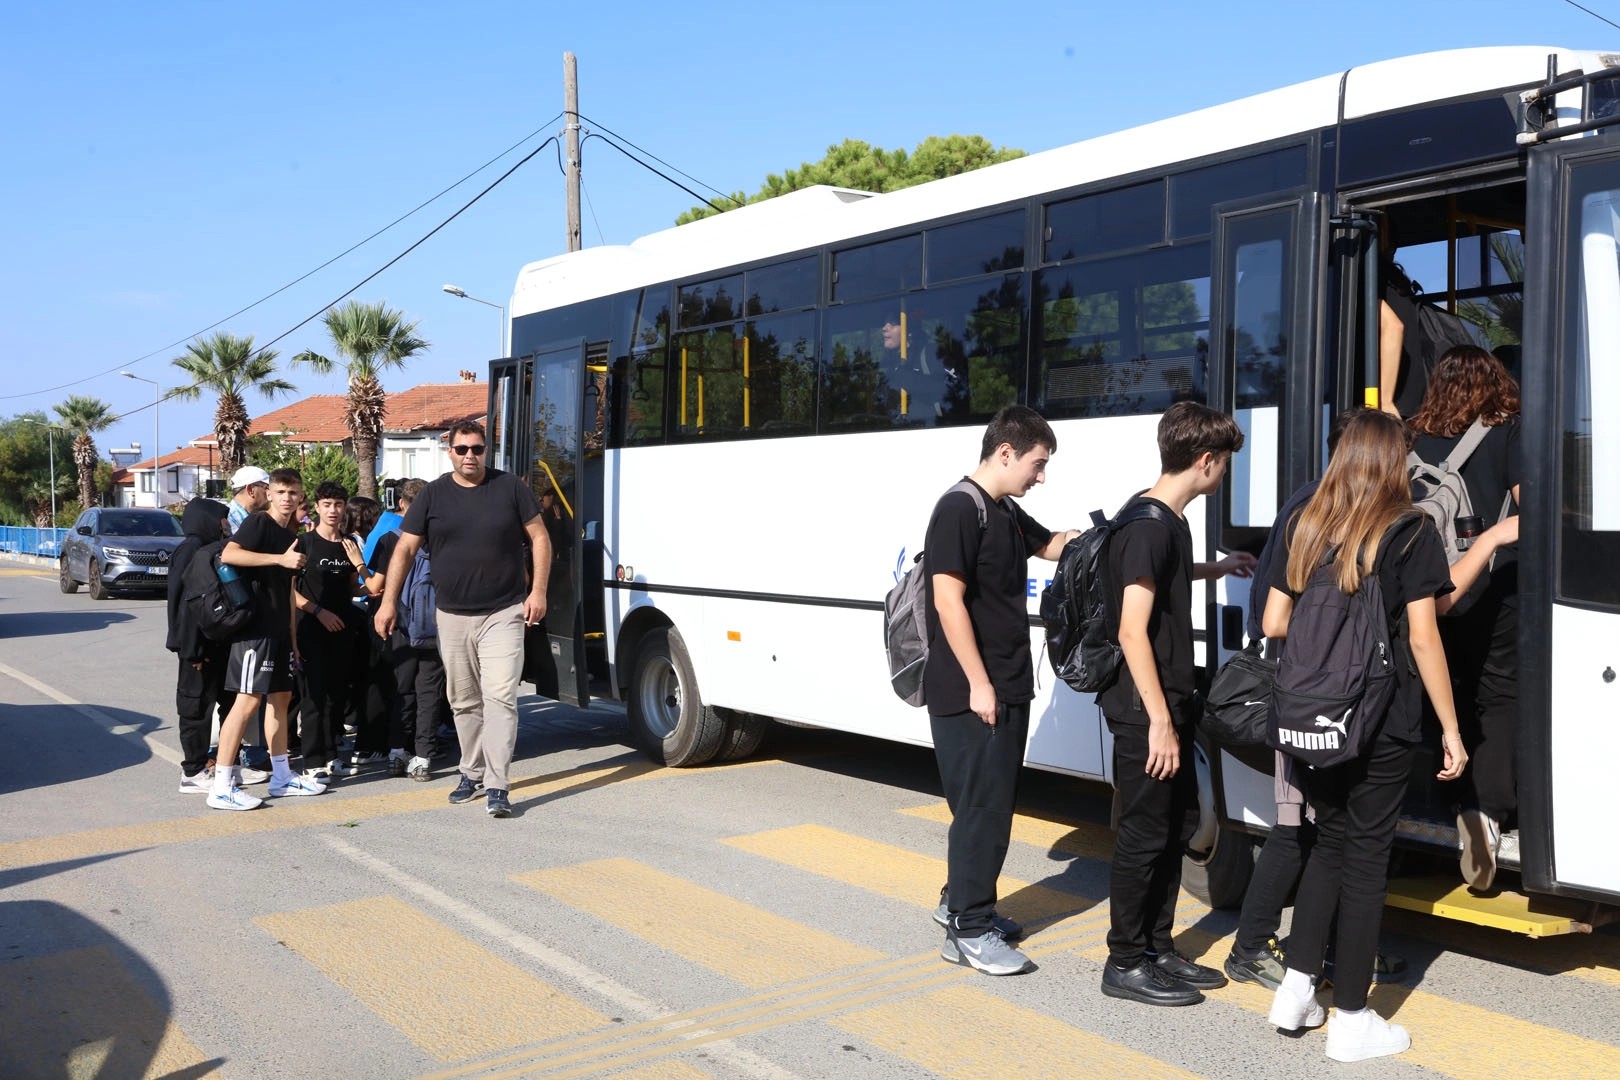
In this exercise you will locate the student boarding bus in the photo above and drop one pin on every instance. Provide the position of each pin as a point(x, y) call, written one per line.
point(739, 427)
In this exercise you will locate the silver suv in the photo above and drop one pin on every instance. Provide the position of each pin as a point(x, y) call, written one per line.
point(119, 548)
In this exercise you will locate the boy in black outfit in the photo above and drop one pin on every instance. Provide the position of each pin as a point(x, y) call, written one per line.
point(980, 680)
point(1151, 710)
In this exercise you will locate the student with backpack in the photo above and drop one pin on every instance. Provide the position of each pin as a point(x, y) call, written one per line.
point(1152, 707)
point(419, 703)
point(200, 688)
point(1360, 524)
point(1473, 401)
point(979, 677)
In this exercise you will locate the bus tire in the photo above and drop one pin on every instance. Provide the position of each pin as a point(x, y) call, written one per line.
point(1219, 878)
point(744, 733)
point(668, 719)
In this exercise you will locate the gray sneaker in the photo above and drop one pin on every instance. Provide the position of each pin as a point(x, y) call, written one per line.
point(989, 953)
point(1003, 925)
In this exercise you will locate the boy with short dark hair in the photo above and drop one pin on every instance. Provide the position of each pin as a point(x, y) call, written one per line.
point(1151, 709)
point(265, 553)
point(979, 680)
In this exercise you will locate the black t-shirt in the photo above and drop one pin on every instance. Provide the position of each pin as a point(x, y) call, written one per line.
point(994, 564)
point(271, 584)
point(1490, 473)
point(382, 553)
point(475, 537)
point(1274, 550)
point(1150, 548)
point(1411, 565)
point(328, 577)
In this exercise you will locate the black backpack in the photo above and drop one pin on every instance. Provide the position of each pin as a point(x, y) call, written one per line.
point(1336, 677)
point(905, 619)
point(1238, 705)
point(221, 609)
point(1080, 608)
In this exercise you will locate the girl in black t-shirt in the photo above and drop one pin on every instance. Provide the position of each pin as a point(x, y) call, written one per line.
point(1481, 636)
point(1363, 521)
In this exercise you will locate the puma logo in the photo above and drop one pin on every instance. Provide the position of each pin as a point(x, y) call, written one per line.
point(1339, 725)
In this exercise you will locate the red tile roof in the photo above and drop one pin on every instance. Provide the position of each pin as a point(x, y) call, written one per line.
point(185, 455)
point(436, 405)
point(316, 419)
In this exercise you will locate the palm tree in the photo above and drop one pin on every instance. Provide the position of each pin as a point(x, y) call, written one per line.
point(83, 417)
point(228, 365)
point(368, 338)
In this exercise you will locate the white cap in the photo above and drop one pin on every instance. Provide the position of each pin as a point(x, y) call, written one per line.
point(247, 476)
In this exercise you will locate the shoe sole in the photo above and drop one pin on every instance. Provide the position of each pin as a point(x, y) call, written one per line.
point(1242, 975)
point(467, 799)
point(233, 806)
point(288, 792)
point(500, 813)
point(1369, 1053)
point(421, 777)
point(1301, 1022)
point(1164, 1002)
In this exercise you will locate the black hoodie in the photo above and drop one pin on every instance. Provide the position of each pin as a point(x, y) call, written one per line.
point(201, 524)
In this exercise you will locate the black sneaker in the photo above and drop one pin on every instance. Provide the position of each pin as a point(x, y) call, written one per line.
point(466, 791)
point(1147, 983)
point(1180, 968)
point(498, 804)
point(1264, 968)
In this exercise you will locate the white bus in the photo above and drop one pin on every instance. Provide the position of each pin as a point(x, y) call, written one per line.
point(734, 472)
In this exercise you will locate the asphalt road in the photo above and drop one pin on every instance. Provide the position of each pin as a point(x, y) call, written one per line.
point(768, 919)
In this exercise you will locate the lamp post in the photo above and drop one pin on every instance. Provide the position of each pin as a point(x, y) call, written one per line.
point(457, 290)
point(157, 445)
point(50, 435)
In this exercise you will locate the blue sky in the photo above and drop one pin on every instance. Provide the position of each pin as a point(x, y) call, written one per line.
point(170, 163)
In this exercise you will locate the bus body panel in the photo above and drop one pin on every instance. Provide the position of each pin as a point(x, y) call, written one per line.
point(1585, 746)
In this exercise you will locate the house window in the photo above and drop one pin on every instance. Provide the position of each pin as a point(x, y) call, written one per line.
point(174, 480)
point(146, 483)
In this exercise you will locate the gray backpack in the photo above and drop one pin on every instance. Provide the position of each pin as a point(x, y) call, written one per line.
point(905, 619)
point(1439, 490)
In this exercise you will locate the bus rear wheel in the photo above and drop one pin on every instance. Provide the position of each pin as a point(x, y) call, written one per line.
point(744, 733)
point(668, 719)
point(1220, 877)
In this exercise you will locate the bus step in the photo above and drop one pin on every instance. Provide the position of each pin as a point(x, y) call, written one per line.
point(1535, 916)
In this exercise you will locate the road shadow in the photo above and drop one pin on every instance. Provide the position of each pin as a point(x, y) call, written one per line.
point(80, 1002)
point(22, 874)
point(54, 744)
point(27, 624)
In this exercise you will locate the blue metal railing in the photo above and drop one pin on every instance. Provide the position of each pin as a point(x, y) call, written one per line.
point(20, 541)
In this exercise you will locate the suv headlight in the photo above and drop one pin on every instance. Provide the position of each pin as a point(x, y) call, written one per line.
point(121, 554)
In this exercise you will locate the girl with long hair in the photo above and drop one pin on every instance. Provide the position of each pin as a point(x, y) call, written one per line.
point(1362, 521)
point(1481, 636)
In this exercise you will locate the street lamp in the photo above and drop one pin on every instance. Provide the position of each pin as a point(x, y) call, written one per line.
point(157, 444)
point(50, 435)
point(457, 290)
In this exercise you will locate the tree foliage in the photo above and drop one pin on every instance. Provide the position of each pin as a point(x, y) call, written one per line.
point(82, 417)
point(228, 365)
point(25, 470)
point(368, 339)
point(857, 164)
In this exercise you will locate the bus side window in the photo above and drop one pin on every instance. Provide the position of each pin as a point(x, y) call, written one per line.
point(639, 388)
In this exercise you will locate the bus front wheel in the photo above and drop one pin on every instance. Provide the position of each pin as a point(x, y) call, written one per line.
point(667, 716)
point(1220, 877)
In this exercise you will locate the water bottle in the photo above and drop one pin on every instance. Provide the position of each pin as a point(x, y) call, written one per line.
point(235, 587)
point(1468, 528)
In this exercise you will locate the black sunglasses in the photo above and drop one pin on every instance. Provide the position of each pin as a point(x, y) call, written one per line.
point(463, 451)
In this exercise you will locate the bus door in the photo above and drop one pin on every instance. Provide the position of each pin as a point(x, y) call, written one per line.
point(1262, 372)
point(555, 655)
point(1569, 584)
point(507, 400)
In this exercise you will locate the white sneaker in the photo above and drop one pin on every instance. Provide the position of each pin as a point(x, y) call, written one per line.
point(234, 799)
point(1367, 1036)
point(248, 775)
point(988, 952)
point(295, 784)
point(200, 784)
point(1291, 1013)
point(337, 770)
point(420, 768)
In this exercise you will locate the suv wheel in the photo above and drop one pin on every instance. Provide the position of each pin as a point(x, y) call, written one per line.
point(98, 588)
point(64, 578)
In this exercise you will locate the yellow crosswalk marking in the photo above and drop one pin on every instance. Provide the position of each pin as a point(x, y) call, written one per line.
point(1003, 1040)
point(81, 1013)
point(1449, 1037)
point(404, 966)
point(751, 945)
point(1083, 839)
point(663, 1070)
point(896, 872)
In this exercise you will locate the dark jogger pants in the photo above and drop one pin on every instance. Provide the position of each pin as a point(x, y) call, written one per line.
point(1156, 819)
point(979, 767)
point(197, 693)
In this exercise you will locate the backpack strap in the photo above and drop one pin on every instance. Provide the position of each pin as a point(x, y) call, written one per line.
point(1465, 448)
point(978, 498)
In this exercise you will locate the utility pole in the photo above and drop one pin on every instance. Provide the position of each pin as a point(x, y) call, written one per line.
point(571, 127)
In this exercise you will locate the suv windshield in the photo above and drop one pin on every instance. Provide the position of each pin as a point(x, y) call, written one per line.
point(134, 523)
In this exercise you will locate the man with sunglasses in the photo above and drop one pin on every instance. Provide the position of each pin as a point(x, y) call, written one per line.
point(475, 521)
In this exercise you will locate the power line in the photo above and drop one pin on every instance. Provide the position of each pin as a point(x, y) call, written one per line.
point(660, 160)
point(358, 285)
point(1592, 13)
point(296, 280)
point(649, 168)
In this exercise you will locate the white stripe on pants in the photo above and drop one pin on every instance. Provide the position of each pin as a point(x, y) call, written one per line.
point(483, 660)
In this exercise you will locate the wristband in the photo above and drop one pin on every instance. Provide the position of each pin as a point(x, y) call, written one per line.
point(317, 610)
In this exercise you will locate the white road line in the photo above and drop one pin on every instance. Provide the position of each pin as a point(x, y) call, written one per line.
point(625, 998)
point(90, 712)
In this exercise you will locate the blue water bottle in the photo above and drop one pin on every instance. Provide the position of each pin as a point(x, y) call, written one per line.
point(235, 587)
